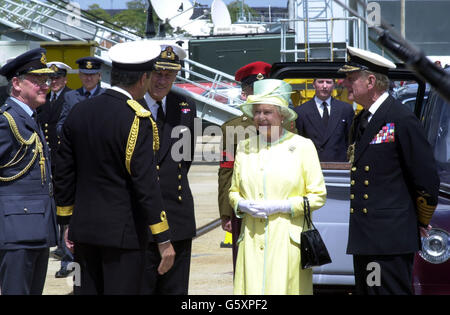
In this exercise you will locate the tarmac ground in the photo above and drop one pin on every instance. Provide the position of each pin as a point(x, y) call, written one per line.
point(211, 266)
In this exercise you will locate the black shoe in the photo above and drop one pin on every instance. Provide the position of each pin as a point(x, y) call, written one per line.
point(226, 245)
point(57, 254)
point(62, 273)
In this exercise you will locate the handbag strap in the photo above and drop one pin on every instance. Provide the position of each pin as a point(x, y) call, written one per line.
point(307, 211)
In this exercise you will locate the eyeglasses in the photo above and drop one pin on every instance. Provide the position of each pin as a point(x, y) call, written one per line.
point(38, 81)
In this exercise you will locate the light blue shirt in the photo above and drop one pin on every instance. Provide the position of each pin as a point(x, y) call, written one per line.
point(91, 91)
point(24, 106)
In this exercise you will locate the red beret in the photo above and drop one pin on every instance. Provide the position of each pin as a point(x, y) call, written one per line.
point(253, 71)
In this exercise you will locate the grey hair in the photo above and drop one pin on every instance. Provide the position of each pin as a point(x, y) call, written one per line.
point(382, 81)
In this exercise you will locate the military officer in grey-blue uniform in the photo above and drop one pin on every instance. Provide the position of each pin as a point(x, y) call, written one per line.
point(27, 209)
point(90, 76)
point(394, 180)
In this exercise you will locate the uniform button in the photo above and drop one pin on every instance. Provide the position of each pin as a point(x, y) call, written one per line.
point(46, 130)
point(354, 169)
point(179, 198)
point(157, 167)
point(366, 168)
point(365, 210)
point(179, 165)
point(46, 125)
point(25, 210)
point(261, 195)
point(179, 187)
point(352, 196)
point(46, 137)
point(59, 142)
point(352, 210)
point(352, 182)
point(261, 247)
point(157, 178)
point(366, 182)
point(366, 196)
point(179, 176)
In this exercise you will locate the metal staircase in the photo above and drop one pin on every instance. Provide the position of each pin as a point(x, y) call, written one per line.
point(46, 22)
point(322, 31)
point(50, 23)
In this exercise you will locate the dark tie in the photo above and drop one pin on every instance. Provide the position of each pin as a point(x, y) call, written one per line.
point(325, 116)
point(363, 122)
point(34, 116)
point(160, 117)
point(87, 94)
point(53, 98)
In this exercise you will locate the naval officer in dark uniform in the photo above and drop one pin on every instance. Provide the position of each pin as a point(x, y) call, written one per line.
point(106, 180)
point(175, 119)
point(394, 182)
point(27, 209)
point(48, 115)
point(89, 71)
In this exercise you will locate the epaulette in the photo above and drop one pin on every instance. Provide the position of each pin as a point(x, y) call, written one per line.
point(139, 109)
point(141, 112)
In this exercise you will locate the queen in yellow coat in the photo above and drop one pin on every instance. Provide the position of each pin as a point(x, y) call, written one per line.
point(272, 173)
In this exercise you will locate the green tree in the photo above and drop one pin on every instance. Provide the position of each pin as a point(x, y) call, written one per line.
point(235, 10)
point(101, 14)
point(134, 18)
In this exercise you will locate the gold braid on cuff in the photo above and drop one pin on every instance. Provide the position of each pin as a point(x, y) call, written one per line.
point(64, 211)
point(161, 226)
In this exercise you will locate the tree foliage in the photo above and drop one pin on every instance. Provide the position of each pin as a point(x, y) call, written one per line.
point(134, 18)
point(235, 10)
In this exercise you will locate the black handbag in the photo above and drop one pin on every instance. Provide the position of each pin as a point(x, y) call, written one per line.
point(312, 248)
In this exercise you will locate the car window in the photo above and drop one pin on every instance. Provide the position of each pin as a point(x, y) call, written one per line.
point(436, 121)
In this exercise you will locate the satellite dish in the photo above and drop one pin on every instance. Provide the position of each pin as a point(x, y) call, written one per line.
point(166, 9)
point(183, 14)
point(219, 14)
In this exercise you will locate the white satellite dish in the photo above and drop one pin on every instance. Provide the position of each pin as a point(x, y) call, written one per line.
point(166, 9)
point(183, 14)
point(219, 14)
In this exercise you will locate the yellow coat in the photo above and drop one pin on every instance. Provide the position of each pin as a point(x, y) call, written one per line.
point(269, 254)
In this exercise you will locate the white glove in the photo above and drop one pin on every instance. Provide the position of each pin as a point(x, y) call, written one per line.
point(247, 207)
point(272, 206)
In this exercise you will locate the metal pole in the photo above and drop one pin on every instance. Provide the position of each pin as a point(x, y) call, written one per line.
point(402, 18)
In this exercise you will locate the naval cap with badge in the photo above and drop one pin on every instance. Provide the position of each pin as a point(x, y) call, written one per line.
point(253, 72)
point(89, 65)
point(170, 57)
point(134, 56)
point(60, 68)
point(31, 62)
point(359, 59)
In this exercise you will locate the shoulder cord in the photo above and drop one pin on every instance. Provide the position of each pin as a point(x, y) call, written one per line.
point(34, 139)
point(141, 112)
